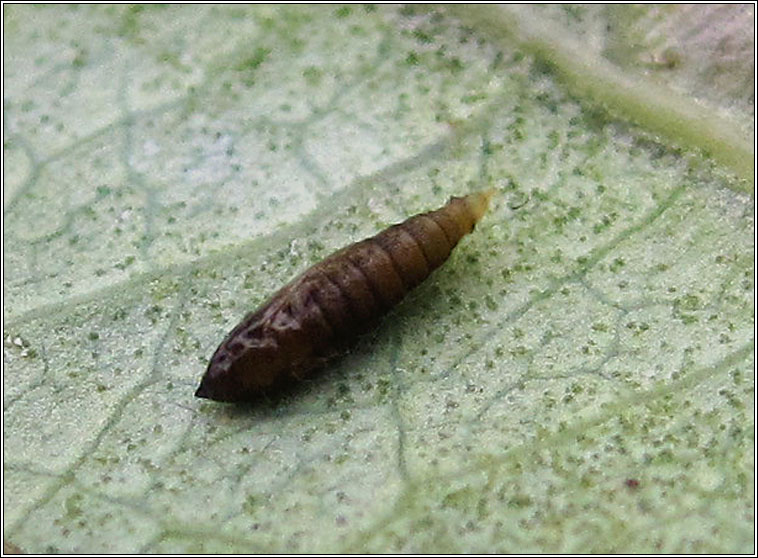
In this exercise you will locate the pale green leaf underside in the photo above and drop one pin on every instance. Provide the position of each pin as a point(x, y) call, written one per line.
point(577, 378)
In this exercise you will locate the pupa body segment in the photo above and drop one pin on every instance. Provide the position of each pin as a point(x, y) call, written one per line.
point(315, 316)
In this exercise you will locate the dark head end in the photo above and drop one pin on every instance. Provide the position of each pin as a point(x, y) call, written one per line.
point(222, 382)
point(203, 390)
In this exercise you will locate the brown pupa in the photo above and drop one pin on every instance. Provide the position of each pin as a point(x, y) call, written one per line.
point(315, 317)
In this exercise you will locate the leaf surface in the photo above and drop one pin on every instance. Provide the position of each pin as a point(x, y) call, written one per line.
point(577, 378)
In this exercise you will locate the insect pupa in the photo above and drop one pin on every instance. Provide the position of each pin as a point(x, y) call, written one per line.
point(314, 317)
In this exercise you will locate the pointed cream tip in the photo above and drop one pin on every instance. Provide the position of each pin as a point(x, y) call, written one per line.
point(480, 201)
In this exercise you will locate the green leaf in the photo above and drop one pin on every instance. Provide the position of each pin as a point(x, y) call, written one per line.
point(577, 378)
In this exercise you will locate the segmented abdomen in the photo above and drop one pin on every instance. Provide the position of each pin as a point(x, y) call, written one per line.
point(316, 315)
